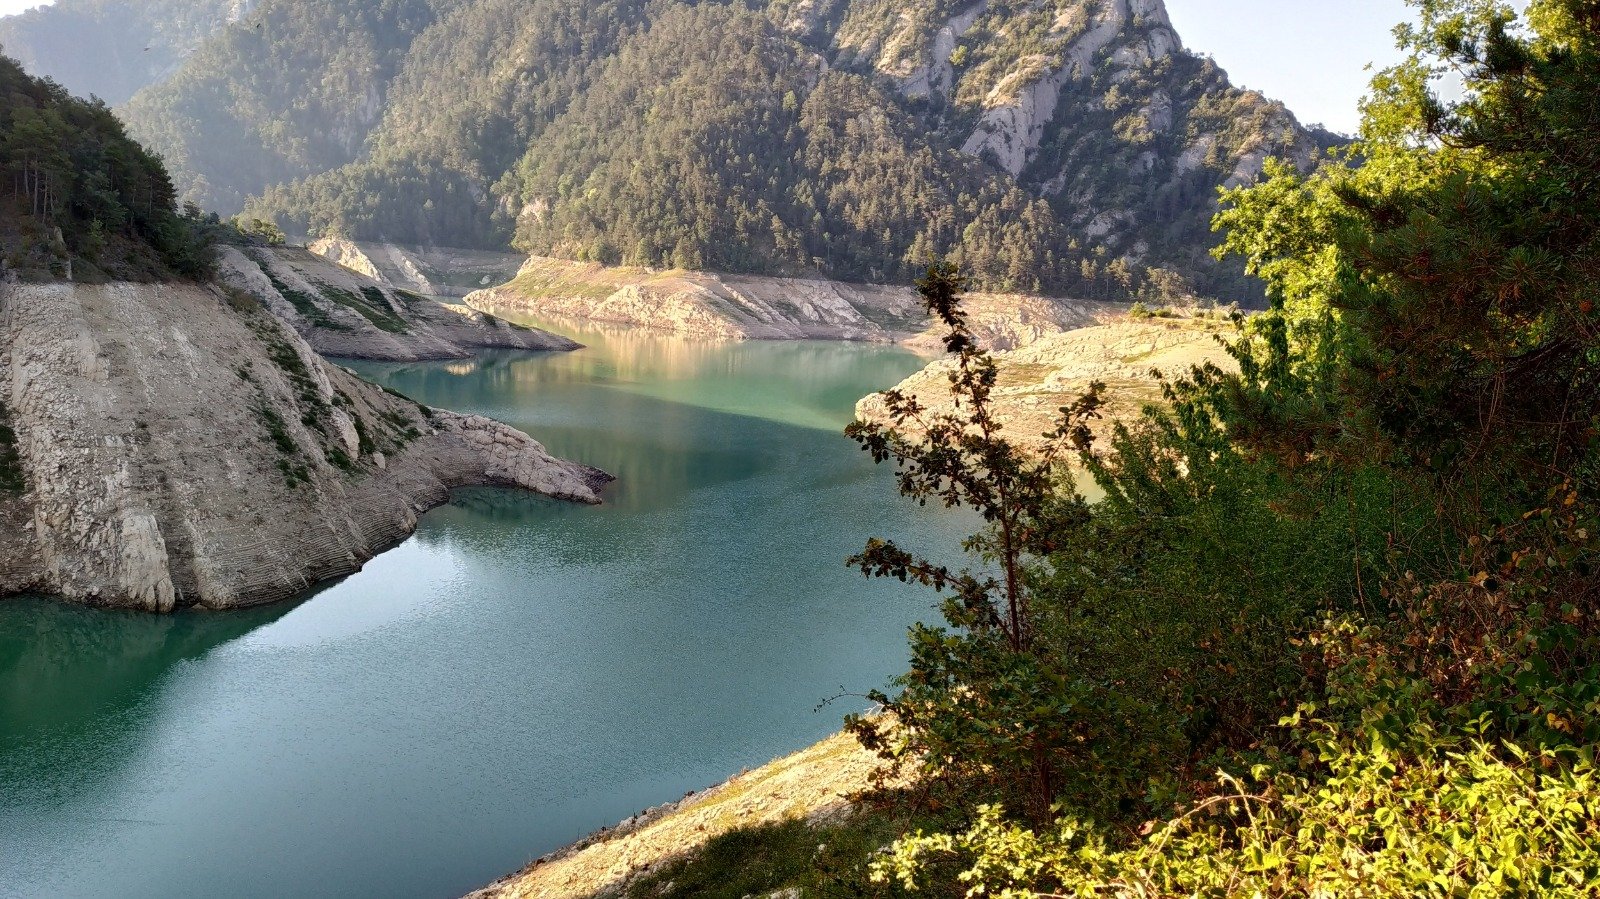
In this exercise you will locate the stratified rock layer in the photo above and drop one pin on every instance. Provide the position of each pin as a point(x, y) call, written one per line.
point(434, 271)
point(180, 446)
point(738, 307)
point(342, 312)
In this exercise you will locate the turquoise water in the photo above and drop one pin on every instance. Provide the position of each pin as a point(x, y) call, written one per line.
point(517, 674)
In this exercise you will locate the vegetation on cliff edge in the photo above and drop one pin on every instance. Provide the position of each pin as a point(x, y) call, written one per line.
point(75, 188)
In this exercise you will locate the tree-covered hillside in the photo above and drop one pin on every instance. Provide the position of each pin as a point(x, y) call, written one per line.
point(1069, 145)
point(75, 191)
point(112, 49)
point(475, 89)
point(291, 91)
point(714, 141)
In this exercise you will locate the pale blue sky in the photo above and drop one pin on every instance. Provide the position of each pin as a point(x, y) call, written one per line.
point(1311, 54)
point(1308, 53)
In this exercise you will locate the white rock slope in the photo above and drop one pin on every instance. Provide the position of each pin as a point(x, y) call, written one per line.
point(341, 312)
point(181, 448)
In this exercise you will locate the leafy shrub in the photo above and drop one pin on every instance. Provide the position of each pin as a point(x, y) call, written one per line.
point(1392, 815)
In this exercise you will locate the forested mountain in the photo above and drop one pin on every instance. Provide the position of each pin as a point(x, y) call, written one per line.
point(113, 48)
point(475, 89)
point(1067, 145)
point(292, 91)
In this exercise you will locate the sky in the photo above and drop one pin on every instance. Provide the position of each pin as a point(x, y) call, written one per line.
point(1311, 54)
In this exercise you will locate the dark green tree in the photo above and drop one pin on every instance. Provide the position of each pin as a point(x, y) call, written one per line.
point(982, 693)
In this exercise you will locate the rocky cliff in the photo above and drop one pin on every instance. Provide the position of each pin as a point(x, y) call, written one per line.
point(1095, 105)
point(343, 313)
point(737, 307)
point(177, 445)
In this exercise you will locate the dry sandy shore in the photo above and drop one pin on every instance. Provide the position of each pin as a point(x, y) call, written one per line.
point(1036, 380)
point(712, 306)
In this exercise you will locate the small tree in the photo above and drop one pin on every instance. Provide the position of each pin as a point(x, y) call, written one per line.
point(979, 697)
point(262, 231)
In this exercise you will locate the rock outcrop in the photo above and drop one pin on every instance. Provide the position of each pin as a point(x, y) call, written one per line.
point(180, 446)
point(344, 313)
point(1036, 380)
point(432, 271)
point(1094, 105)
point(738, 307)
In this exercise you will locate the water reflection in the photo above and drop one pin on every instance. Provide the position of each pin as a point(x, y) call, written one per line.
point(806, 383)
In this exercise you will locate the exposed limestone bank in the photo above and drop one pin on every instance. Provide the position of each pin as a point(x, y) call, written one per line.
point(1035, 381)
point(343, 313)
point(814, 785)
point(181, 447)
point(736, 307)
point(433, 271)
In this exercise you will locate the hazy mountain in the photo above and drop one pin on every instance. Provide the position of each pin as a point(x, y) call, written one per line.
point(113, 48)
point(1059, 144)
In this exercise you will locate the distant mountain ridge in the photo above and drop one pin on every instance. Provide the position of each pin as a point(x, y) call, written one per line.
point(1056, 145)
point(112, 49)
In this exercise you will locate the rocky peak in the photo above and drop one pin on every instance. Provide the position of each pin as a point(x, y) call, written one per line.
point(1094, 104)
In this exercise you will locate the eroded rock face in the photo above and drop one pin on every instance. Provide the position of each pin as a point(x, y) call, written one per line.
point(432, 271)
point(344, 313)
point(1076, 99)
point(178, 450)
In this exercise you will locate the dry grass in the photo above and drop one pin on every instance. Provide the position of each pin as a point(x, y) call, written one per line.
point(813, 785)
point(1036, 380)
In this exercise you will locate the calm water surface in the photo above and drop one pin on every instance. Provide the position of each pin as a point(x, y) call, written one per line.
point(517, 674)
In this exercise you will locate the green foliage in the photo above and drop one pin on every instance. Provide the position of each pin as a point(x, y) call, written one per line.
point(73, 187)
point(1453, 816)
point(828, 860)
point(303, 303)
point(983, 693)
point(1451, 277)
point(371, 304)
point(11, 477)
point(290, 463)
point(262, 231)
point(1358, 575)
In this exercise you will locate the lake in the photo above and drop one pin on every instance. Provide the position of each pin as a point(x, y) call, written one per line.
point(517, 674)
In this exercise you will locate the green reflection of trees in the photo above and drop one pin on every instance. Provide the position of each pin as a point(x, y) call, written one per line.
point(63, 668)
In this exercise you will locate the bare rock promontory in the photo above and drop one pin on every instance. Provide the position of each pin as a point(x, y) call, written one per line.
point(170, 445)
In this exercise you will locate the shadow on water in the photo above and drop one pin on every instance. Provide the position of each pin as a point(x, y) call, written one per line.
point(64, 666)
point(76, 682)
